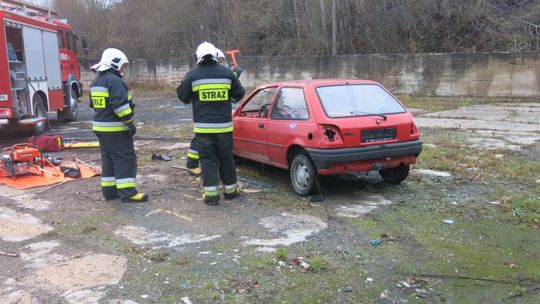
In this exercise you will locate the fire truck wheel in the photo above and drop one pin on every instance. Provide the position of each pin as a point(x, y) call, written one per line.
point(39, 111)
point(71, 112)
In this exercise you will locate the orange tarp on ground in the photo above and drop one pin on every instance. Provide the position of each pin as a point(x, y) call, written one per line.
point(32, 181)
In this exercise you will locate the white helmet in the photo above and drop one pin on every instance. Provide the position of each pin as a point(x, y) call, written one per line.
point(204, 49)
point(219, 54)
point(110, 59)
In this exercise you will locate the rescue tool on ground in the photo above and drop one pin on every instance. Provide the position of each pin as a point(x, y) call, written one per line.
point(38, 67)
point(24, 159)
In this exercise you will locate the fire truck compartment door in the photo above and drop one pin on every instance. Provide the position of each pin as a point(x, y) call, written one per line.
point(33, 54)
point(52, 60)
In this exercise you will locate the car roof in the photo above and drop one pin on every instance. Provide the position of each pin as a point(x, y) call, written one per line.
point(319, 82)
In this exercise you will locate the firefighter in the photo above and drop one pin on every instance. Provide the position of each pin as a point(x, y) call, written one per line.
point(211, 88)
point(114, 126)
point(192, 163)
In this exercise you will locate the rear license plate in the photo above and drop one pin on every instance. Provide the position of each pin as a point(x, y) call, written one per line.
point(379, 135)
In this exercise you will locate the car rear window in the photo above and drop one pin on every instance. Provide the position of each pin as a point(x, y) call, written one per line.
point(357, 100)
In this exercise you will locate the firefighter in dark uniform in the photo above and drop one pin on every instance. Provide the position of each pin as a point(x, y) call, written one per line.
point(192, 163)
point(114, 126)
point(211, 88)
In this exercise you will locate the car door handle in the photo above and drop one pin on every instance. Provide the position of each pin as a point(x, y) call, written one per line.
point(261, 126)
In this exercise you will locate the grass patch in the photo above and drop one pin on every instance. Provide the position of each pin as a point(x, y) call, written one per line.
point(434, 104)
point(281, 254)
point(317, 263)
point(525, 210)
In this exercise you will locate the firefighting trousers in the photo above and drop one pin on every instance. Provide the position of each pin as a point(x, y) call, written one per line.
point(193, 154)
point(217, 162)
point(118, 165)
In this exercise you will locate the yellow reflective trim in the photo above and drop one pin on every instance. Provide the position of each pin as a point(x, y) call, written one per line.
point(127, 122)
point(129, 96)
point(193, 156)
point(125, 185)
point(125, 112)
point(110, 129)
point(211, 86)
point(98, 102)
point(211, 193)
point(228, 191)
point(99, 94)
point(213, 130)
point(214, 95)
point(108, 184)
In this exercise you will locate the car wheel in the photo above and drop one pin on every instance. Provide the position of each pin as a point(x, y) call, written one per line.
point(303, 175)
point(395, 175)
point(39, 112)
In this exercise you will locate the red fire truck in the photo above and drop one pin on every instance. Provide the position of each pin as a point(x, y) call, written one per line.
point(39, 71)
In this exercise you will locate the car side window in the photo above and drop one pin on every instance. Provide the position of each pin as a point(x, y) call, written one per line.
point(259, 104)
point(290, 105)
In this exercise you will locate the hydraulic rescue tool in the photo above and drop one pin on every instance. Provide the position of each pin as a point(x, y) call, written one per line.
point(24, 159)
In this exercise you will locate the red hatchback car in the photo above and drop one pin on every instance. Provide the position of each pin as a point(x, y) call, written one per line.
point(325, 127)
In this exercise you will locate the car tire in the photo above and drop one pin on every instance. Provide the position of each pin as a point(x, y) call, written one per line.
point(39, 111)
point(303, 175)
point(395, 175)
point(71, 111)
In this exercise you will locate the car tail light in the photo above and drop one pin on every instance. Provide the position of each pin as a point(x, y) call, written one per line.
point(414, 129)
point(6, 113)
point(331, 134)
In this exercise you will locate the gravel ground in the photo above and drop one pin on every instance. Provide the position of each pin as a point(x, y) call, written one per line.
point(448, 234)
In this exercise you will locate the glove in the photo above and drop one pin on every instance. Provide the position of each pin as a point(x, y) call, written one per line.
point(132, 129)
point(237, 70)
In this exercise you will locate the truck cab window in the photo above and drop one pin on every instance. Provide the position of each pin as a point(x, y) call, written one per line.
point(72, 42)
point(61, 40)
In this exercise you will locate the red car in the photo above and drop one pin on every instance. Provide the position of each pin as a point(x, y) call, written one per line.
point(325, 127)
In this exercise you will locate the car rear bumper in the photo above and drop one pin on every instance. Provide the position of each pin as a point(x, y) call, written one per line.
point(324, 158)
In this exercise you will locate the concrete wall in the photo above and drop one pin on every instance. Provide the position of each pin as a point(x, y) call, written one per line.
point(472, 75)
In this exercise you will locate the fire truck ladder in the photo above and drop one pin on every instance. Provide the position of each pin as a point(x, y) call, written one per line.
point(28, 9)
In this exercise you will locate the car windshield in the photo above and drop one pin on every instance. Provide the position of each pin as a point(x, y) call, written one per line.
point(357, 100)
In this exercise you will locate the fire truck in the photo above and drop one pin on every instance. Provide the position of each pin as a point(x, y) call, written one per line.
point(39, 70)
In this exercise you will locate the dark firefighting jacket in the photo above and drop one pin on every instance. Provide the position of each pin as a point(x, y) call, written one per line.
point(211, 88)
point(112, 104)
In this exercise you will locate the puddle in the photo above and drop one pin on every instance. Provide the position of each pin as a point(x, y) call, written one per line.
point(143, 236)
point(295, 228)
point(431, 172)
point(83, 273)
point(371, 203)
point(17, 227)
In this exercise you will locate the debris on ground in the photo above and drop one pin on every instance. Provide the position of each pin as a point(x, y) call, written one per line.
point(245, 288)
point(448, 221)
point(387, 237)
point(299, 261)
point(186, 300)
point(375, 242)
point(161, 156)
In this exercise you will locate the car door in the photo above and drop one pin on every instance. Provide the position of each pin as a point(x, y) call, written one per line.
point(289, 124)
point(250, 123)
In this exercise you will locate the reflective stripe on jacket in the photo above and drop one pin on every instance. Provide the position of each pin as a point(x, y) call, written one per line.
point(211, 88)
point(113, 108)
